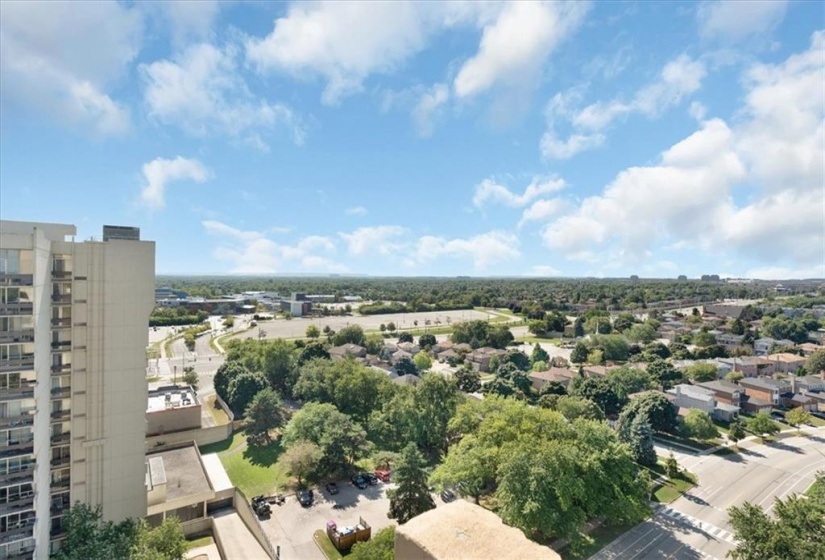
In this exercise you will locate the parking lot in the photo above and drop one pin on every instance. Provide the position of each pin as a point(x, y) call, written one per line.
point(291, 526)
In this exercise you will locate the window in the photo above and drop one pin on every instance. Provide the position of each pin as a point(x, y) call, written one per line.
point(9, 261)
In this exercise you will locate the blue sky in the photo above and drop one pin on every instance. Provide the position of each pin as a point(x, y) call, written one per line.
point(601, 139)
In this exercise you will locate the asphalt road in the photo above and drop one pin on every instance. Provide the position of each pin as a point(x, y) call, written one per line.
point(696, 525)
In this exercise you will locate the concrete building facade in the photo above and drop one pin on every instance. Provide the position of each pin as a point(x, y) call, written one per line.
point(73, 318)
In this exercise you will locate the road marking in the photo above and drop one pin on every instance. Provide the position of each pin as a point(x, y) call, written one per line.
point(704, 526)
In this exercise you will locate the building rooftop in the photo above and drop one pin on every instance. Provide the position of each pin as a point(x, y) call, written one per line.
point(762, 383)
point(171, 397)
point(720, 386)
point(183, 471)
point(464, 530)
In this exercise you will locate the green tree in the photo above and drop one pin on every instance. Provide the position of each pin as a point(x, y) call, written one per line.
point(242, 389)
point(264, 413)
point(577, 407)
point(380, 547)
point(467, 380)
point(351, 334)
point(797, 417)
point(279, 366)
point(600, 392)
point(391, 327)
point(411, 496)
point(374, 343)
point(734, 377)
point(702, 372)
point(422, 361)
point(655, 408)
point(426, 341)
point(815, 363)
point(539, 366)
point(664, 373)
point(539, 354)
point(435, 399)
point(614, 347)
point(164, 542)
point(313, 332)
point(301, 459)
point(229, 322)
point(641, 442)
point(641, 333)
point(227, 371)
point(518, 359)
point(579, 353)
point(190, 377)
point(698, 425)
point(627, 380)
point(406, 366)
point(311, 351)
point(88, 537)
point(405, 337)
point(468, 464)
point(703, 339)
point(671, 466)
point(578, 328)
point(762, 425)
point(736, 432)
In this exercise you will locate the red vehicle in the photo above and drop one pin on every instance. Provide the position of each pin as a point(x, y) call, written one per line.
point(383, 475)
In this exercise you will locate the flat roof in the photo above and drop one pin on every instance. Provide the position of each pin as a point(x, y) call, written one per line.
point(184, 473)
point(171, 397)
point(216, 473)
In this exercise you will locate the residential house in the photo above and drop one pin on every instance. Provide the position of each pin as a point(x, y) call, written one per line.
point(463, 347)
point(442, 346)
point(596, 371)
point(694, 397)
point(730, 341)
point(481, 357)
point(724, 392)
point(410, 347)
point(754, 405)
point(809, 348)
point(808, 383)
point(764, 388)
point(763, 346)
point(407, 379)
point(749, 366)
point(786, 362)
point(561, 376)
point(347, 350)
point(817, 336)
point(399, 355)
point(727, 310)
point(818, 397)
point(798, 400)
point(445, 355)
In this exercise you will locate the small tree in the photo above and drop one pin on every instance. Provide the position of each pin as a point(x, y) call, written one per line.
point(243, 388)
point(166, 541)
point(734, 377)
point(815, 363)
point(313, 332)
point(391, 327)
point(422, 361)
point(468, 380)
point(539, 354)
point(762, 425)
point(641, 442)
point(405, 337)
point(380, 547)
point(797, 417)
point(264, 413)
point(229, 322)
point(405, 366)
point(699, 425)
point(411, 497)
point(426, 341)
point(737, 432)
point(579, 354)
point(301, 459)
point(671, 466)
point(190, 377)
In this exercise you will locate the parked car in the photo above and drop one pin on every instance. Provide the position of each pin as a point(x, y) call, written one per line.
point(305, 497)
point(447, 495)
point(261, 506)
point(360, 481)
point(331, 487)
point(371, 478)
point(383, 475)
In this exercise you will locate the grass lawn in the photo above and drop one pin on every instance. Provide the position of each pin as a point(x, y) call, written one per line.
point(602, 536)
point(815, 488)
point(218, 414)
point(816, 421)
point(202, 541)
point(326, 545)
point(723, 427)
point(535, 339)
point(725, 451)
point(253, 469)
point(693, 443)
point(672, 489)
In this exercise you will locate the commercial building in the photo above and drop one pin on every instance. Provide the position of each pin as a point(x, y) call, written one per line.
point(73, 335)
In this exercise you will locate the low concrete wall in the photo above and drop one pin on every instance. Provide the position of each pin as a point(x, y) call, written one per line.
point(201, 436)
point(251, 521)
point(198, 527)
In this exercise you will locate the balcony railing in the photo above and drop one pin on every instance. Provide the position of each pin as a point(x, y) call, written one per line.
point(60, 462)
point(61, 368)
point(17, 533)
point(25, 390)
point(25, 335)
point(26, 418)
point(59, 505)
point(17, 503)
point(57, 485)
point(61, 415)
point(62, 323)
point(62, 345)
point(25, 553)
point(14, 363)
point(61, 273)
point(58, 299)
point(17, 308)
point(61, 392)
point(61, 439)
point(26, 474)
point(14, 450)
point(16, 279)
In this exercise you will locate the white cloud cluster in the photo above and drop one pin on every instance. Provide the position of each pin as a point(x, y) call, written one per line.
point(251, 252)
point(159, 172)
point(60, 60)
point(357, 211)
point(488, 191)
point(734, 20)
point(678, 78)
point(201, 91)
point(399, 245)
point(753, 189)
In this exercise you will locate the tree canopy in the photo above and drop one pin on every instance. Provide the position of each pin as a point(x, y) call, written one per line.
point(411, 495)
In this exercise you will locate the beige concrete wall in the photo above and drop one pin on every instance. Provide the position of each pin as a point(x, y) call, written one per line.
point(249, 518)
point(201, 436)
point(173, 420)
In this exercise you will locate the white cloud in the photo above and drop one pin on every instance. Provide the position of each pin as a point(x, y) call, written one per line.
point(488, 191)
point(377, 240)
point(484, 249)
point(251, 252)
point(783, 273)
point(202, 92)
point(678, 79)
point(734, 20)
point(542, 210)
point(59, 60)
point(428, 107)
point(515, 46)
point(159, 172)
point(186, 20)
point(544, 270)
point(697, 110)
point(356, 211)
point(752, 189)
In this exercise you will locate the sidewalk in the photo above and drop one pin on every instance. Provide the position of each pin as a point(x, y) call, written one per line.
point(790, 431)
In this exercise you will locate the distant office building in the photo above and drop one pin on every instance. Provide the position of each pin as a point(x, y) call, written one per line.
point(73, 335)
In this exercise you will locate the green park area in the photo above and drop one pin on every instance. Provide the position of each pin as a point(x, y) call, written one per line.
point(252, 468)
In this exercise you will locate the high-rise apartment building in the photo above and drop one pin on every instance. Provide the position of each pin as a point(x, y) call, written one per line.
point(73, 335)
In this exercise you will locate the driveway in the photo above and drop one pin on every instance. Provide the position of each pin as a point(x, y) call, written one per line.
point(696, 525)
point(291, 526)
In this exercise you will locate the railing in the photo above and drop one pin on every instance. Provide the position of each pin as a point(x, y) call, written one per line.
point(63, 344)
point(17, 308)
point(61, 273)
point(26, 335)
point(61, 439)
point(23, 391)
point(63, 461)
point(61, 415)
point(23, 475)
point(59, 484)
point(58, 506)
point(22, 554)
point(17, 533)
point(59, 368)
point(21, 449)
point(61, 323)
point(61, 392)
point(24, 361)
point(25, 418)
point(16, 279)
point(61, 298)
point(15, 504)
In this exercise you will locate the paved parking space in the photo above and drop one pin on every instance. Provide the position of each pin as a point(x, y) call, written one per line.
point(291, 526)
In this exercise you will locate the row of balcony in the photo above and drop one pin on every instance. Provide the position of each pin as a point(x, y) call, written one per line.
point(16, 504)
point(16, 308)
point(24, 390)
point(15, 363)
point(60, 462)
point(25, 553)
point(17, 533)
point(24, 474)
point(16, 279)
point(62, 415)
point(61, 439)
point(9, 337)
point(25, 418)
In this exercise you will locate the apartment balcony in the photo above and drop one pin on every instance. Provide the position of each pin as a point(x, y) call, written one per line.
point(61, 368)
point(16, 446)
point(60, 462)
point(61, 346)
point(17, 363)
point(23, 391)
point(61, 392)
point(61, 439)
point(63, 415)
point(26, 474)
point(61, 299)
point(15, 533)
point(26, 553)
point(59, 485)
point(8, 337)
point(62, 274)
point(24, 419)
point(16, 279)
point(17, 308)
point(64, 323)
point(17, 504)
point(60, 505)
